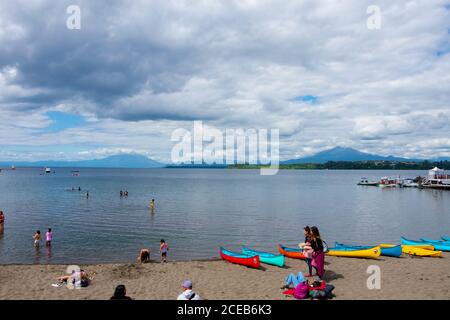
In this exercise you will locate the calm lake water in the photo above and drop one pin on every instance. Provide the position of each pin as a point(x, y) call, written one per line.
point(199, 210)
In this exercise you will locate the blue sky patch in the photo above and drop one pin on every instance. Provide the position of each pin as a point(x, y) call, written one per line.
point(62, 121)
point(307, 98)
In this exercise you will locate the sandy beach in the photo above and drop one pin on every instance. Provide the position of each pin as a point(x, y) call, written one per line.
point(401, 278)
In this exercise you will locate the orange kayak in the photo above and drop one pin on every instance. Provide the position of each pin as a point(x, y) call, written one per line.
point(291, 252)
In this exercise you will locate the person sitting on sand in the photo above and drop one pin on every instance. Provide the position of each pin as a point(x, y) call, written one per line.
point(37, 239)
point(144, 256)
point(318, 255)
point(120, 293)
point(307, 249)
point(187, 293)
point(2, 217)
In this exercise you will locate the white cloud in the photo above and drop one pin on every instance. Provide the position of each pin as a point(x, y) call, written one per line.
point(136, 71)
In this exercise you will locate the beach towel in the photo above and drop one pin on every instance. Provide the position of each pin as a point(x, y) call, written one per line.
point(318, 261)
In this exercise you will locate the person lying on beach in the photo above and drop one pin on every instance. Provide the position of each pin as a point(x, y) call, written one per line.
point(120, 293)
point(37, 239)
point(144, 256)
point(2, 217)
point(187, 293)
point(293, 280)
point(78, 279)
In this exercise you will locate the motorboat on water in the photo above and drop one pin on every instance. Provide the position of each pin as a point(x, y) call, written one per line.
point(408, 183)
point(366, 182)
point(386, 182)
point(48, 170)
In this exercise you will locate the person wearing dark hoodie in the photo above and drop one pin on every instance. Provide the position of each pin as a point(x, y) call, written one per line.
point(120, 293)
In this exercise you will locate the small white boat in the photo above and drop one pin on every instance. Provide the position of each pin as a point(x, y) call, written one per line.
point(408, 183)
point(366, 182)
point(48, 170)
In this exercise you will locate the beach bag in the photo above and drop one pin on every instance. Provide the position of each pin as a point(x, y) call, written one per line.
point(301, 290)
point(323, 292)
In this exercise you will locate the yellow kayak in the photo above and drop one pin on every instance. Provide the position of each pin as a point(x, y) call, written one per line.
point(421, 251)
point(372, 253)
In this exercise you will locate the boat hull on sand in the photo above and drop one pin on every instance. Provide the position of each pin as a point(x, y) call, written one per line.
point(436, 246)
point(371, 253)
point(239, 258)
point(266, 257)
point(416, 251)
point(391, 251)
point(291, 252)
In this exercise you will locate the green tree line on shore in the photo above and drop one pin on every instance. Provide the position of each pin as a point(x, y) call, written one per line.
point(355, 165)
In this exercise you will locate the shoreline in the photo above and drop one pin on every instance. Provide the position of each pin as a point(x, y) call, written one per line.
point(407, 277)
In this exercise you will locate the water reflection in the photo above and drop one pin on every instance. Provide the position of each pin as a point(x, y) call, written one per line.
point(48, 251)
point(37, 254)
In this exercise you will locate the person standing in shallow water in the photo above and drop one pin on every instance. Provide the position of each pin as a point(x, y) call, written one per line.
point(49, 237)
point(2, 217)
point(37, 239)
point(163, 248)
point(152, 204)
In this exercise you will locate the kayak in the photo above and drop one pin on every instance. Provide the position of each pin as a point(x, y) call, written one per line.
point(446, 238)
point(438, 245)
point(291, 252)
point(266, 257)
point(371, 253)
point(251, 261)
point(391, 251)
point(416, 251)
point(418, 244)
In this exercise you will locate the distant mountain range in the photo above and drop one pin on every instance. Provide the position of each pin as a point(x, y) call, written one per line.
point(140, 161)
point(350, 154)
point(116, 161)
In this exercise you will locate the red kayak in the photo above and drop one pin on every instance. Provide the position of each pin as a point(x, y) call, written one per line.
point(291, 252)
point(239, 258)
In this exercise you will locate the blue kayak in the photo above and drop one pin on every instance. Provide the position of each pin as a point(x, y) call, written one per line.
point(437, 246)
point(446, 238)
point(266, 257)
point(395, 251)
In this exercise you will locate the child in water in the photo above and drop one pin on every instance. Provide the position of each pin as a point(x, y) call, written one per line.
point(163, 248)
point(37, 239)
point(152, 204)
point(48, 236)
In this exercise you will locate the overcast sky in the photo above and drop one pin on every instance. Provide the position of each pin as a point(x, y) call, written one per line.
point(138, 70)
